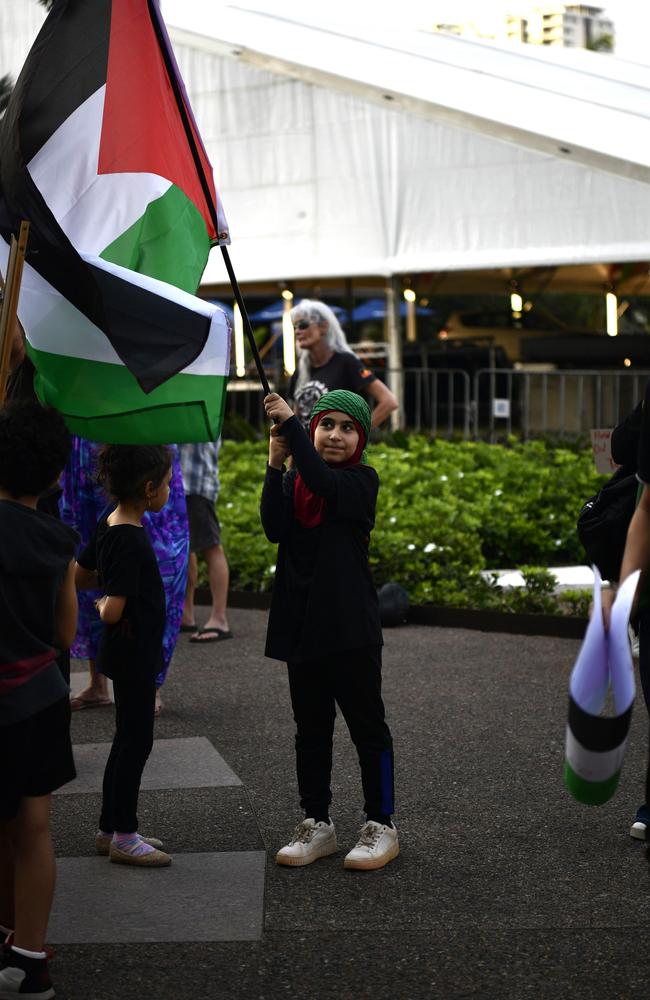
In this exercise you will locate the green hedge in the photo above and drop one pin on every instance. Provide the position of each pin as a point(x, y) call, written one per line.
point(446, 511)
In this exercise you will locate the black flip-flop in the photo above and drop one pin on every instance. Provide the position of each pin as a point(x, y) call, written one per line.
point(211, 634)
point(189, 628)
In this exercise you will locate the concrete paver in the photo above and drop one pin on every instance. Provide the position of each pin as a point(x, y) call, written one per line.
point(220, 897)
point(178, 763)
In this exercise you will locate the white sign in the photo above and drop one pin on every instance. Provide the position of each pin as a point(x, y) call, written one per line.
point(501, 408)
point(601, 442)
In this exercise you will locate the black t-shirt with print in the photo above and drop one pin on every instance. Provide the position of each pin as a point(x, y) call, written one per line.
point(127, 567)
point(344, 370)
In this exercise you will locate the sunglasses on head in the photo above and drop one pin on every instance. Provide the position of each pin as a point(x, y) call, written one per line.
point(304, 324)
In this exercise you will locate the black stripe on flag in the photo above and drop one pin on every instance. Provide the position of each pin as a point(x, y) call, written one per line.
point(152, 334)
point(67, 63)
point(595, 732)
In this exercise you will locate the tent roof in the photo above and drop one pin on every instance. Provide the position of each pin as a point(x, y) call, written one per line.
point(352, 151)
point(589, 107)
point(342, 151)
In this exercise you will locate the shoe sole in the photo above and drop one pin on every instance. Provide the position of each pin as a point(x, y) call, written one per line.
point(143, 861)
point(638, 831)
point(372, 864)
point(290, 862)
point(105, 849)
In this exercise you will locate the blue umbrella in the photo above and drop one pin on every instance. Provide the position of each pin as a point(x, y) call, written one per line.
point(376, 309)
point(274, 312)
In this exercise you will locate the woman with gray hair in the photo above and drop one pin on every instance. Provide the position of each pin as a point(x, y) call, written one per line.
point(326, 362)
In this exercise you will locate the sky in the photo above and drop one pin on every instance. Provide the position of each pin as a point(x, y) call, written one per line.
point(631, 17)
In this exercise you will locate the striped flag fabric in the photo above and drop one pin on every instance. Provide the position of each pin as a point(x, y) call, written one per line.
point(99, 151)
point(595, 743)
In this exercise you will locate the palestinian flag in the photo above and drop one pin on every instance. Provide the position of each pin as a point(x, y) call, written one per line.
point(100, 152)
point(596, 744)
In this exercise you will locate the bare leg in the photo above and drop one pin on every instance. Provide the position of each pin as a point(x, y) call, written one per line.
point(35, 871)
point(218, 577)
point(97, 690)
point(6, 878)
point(192, 577)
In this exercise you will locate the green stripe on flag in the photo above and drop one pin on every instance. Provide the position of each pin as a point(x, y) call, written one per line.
point(114, 408)
point(169, 242)
point(592, 793)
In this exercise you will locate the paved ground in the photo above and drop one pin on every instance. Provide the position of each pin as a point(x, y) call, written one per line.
point(505, 888)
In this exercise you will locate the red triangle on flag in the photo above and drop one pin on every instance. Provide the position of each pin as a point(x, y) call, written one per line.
point(142, 129)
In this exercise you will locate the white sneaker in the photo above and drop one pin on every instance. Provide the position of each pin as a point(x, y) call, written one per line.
point(310, 842)
point(376, 846)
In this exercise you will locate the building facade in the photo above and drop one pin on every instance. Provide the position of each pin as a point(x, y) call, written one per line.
point(565, 25)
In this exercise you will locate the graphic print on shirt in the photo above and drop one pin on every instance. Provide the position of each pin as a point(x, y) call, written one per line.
point(306, 397)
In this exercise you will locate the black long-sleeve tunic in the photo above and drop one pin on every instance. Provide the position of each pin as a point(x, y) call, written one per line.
point(324, 599)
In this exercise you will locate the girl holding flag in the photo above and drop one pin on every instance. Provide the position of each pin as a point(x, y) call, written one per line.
point(324, 619)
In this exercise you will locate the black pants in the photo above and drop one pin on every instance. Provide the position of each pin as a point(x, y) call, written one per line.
point(351, 680)
point(135, 698)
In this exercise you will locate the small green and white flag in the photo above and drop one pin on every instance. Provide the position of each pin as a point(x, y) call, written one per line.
point(596, 744)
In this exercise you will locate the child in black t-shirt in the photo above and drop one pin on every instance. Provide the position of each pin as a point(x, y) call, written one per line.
point(324, 619)
point(120, 558)
point(38, 616)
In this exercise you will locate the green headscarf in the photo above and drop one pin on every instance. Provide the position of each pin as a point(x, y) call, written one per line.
point(345, 401)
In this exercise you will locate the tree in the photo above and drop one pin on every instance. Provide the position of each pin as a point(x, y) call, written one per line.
point(604, 43)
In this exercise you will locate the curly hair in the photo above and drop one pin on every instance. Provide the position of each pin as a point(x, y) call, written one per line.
point(34, 448)
point(125, 469)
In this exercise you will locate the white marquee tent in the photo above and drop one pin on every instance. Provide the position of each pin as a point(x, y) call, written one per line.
point(338, 152)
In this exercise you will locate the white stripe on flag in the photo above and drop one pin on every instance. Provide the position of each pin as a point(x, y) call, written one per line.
point(92, 209)
point(54, 325)
point(593, 766)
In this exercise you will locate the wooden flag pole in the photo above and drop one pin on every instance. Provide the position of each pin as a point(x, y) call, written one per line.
point(8, 311)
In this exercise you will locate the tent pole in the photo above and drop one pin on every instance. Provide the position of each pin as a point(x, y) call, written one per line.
point(395, 362)
point(9, 303)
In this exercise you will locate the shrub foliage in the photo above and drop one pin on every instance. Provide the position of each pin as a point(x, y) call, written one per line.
point(446, 512)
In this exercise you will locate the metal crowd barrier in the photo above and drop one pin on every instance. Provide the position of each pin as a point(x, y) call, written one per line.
point(529, 403)
point(493, 403)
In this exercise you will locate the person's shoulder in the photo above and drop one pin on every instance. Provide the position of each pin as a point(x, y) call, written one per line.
point(359, 367)
point(120, 536)
point(367, 471)
point(123, 544)
point(43, 528)
point(34, 540)
point(365, 474)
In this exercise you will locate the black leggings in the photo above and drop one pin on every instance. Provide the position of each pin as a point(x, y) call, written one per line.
point(135, 698)
point(351, 680)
